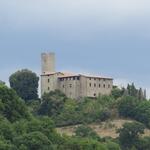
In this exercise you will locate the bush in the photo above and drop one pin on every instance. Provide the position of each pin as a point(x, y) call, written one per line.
point(85, 131)
point(127, 105)
point(142, 113)
point(33, 141)
point(129, 134)
point(135, 109)
point(82, 144)
point(52, 103)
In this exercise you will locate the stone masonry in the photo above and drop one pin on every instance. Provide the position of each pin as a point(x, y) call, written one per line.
point(73, 85)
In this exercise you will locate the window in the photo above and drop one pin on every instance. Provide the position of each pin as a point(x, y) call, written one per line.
point(70, 85)
point(99, 85)
point(94, 94)
point(74, 78)
point(108, 85)
point(94, 78)
point(48, 80)
point(48, 88)
point(104, 79)
point(89, 78)
point(61, 79)
point(63, 86)
point(104, 85)
point(94, 84)
point(78, 78)
point(90, 84)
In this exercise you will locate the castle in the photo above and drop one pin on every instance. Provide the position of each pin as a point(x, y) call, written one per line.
point(73, 85)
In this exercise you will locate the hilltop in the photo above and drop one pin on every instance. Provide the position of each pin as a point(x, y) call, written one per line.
point(92, 122)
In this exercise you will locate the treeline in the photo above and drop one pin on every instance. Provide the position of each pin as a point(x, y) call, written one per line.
point(21, 130)
point(66, 111)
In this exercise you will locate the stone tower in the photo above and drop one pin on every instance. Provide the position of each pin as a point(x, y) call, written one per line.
point(48, 62)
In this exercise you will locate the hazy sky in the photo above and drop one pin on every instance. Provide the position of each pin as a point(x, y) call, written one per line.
point(106, 37)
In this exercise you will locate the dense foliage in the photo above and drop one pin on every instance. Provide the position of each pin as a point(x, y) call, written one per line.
point(135, 109)
point(65, 111)
point(85, 131)
point(52, 103)
point(25, 83)
point(11, 106)
point(130, 133)
point(20, 130)
point(31, 125)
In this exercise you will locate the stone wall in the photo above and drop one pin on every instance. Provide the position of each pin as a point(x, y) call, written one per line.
point(71, 86)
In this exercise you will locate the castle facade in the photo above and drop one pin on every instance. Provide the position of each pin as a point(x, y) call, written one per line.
point(72, 85)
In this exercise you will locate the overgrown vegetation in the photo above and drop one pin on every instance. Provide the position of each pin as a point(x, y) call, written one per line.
point(21, 130)
point(65, 111)
point(30, 124)
point(134, 108)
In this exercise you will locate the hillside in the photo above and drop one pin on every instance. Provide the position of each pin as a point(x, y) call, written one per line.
point(103, 129)
point(87, 122)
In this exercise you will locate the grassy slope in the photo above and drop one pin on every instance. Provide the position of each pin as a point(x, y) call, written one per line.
point(104, 129)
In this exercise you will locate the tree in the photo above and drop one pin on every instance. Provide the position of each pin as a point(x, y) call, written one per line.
point(1, 82)
point(33, 141)
point(82, 144)
point(85, 131)
point(6, 130)
point(134, 92)
point(116, 92)
point(142, 112)
point(143, 143)
point(70, 114)
point(4, 145)
point(52, 103)
point(140, 94)
point(11, 106)
point(127, 105)
point(130, 133)
point(25, 83)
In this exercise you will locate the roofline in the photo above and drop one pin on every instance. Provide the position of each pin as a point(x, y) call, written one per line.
point(98, 77)
point(77, 75)
point(46, 74)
